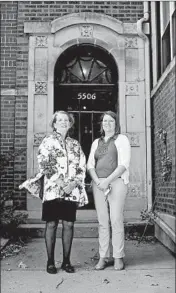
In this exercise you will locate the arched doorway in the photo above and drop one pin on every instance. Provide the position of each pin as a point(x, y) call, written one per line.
point(51, 49)
point(86, 85)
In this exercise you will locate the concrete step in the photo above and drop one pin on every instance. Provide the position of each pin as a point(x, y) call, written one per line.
point(85, 229)
point(82, 215)
point(86, 225)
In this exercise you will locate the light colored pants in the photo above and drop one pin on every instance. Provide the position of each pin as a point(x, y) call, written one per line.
point(112, 213)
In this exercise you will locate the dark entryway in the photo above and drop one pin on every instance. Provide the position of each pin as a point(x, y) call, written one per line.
point(85, 84)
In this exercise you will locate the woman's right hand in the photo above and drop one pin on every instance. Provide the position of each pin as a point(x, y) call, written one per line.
point(68, 188)
point(60, 182)
point(103, 185)
point(98, 185)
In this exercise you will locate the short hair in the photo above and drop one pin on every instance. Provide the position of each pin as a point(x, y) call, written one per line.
point(115, 117)
point(69, 115)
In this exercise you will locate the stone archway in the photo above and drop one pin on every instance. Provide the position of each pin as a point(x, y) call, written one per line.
point(47, 41)
point(86, 85)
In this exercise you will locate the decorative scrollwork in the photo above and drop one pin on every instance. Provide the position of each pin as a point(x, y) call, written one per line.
point(41, 41)
point(38, 137)
point(41, 87)
point(131, 43)
point(132, 89)
point(86, 31)
point(134, 139)
point(134, 190)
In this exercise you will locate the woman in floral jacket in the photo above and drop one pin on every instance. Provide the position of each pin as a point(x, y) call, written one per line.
point(62, 168)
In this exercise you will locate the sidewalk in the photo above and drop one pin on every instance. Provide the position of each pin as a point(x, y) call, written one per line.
point(150, 268)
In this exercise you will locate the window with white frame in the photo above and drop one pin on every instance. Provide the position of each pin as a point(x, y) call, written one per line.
point(174, 32)
point(163, 28)
point(165, 35)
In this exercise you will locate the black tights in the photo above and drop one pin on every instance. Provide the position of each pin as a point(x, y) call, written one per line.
point(67, 238)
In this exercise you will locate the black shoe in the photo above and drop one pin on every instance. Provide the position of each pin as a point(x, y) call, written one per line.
point(51, 269)
point(68, 268)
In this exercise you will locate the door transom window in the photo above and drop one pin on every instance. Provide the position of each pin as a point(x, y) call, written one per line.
point(85, 64)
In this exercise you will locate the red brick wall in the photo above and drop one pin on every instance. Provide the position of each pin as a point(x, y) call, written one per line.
point(50, 10)
point(8, 44)
point(163, 112)
point(7, 139)
point(14, 67)
point(14, 14)
point(8, 82)
point(20, 142)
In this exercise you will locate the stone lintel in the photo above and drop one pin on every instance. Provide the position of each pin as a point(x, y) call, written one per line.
point(87, 18)
point(34, 27)
point(131, 28)
point(37, 27)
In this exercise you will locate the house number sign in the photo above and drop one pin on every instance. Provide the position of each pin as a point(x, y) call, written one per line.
point(86, 96)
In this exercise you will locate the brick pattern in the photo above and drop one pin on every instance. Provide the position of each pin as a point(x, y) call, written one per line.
point(8, 43)
point(7, 137)
point(8, 81)
point(50, 10)
point(17, 53)
point(14, 68)
point(13, 142)
point(20, 161)
point(163, 112)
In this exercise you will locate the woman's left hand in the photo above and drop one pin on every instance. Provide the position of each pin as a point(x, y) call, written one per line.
point(68, 188)
point(103, 185)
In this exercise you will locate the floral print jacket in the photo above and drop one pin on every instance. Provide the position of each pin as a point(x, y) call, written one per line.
point(59, 163)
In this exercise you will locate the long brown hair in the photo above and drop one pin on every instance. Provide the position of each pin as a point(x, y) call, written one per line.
point(115, 117)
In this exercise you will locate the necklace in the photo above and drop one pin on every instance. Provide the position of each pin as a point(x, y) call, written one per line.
point(107, 138)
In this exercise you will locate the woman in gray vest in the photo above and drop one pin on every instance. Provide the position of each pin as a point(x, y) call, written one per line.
point(108, 166)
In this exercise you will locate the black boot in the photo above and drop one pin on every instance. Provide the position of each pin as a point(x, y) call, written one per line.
point(50, 268)
point(67, 267)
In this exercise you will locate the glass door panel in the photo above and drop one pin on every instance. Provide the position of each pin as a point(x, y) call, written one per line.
point(86, 132)
point(86, 135)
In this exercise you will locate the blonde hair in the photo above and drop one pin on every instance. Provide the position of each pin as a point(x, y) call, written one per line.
point(69, 115)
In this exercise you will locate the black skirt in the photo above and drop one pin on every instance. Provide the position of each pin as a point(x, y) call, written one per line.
point(53, 210)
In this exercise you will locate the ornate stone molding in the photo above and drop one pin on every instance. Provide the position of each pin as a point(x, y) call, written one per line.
point(35, 27)
point(86, 31)
point(131, 89)
point(41, 87)
point(134, 139)
point(134, 190)
point(41, 41)
point(86, 18)
point(131, 42)
point(38, 137)
point(131, 28)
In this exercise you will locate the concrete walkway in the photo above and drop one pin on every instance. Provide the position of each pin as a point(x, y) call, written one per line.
point(150, 268)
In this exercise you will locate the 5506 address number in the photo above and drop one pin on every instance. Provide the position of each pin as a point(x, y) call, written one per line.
point(86, 96)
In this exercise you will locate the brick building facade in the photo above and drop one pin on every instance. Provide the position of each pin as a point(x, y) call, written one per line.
point(163, 118)
point(23, 20)
point(14, 68)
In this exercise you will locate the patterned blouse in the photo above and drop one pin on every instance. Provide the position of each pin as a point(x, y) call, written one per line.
point(60, 162)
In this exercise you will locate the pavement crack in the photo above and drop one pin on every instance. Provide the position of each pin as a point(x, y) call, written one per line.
point(60, 283)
